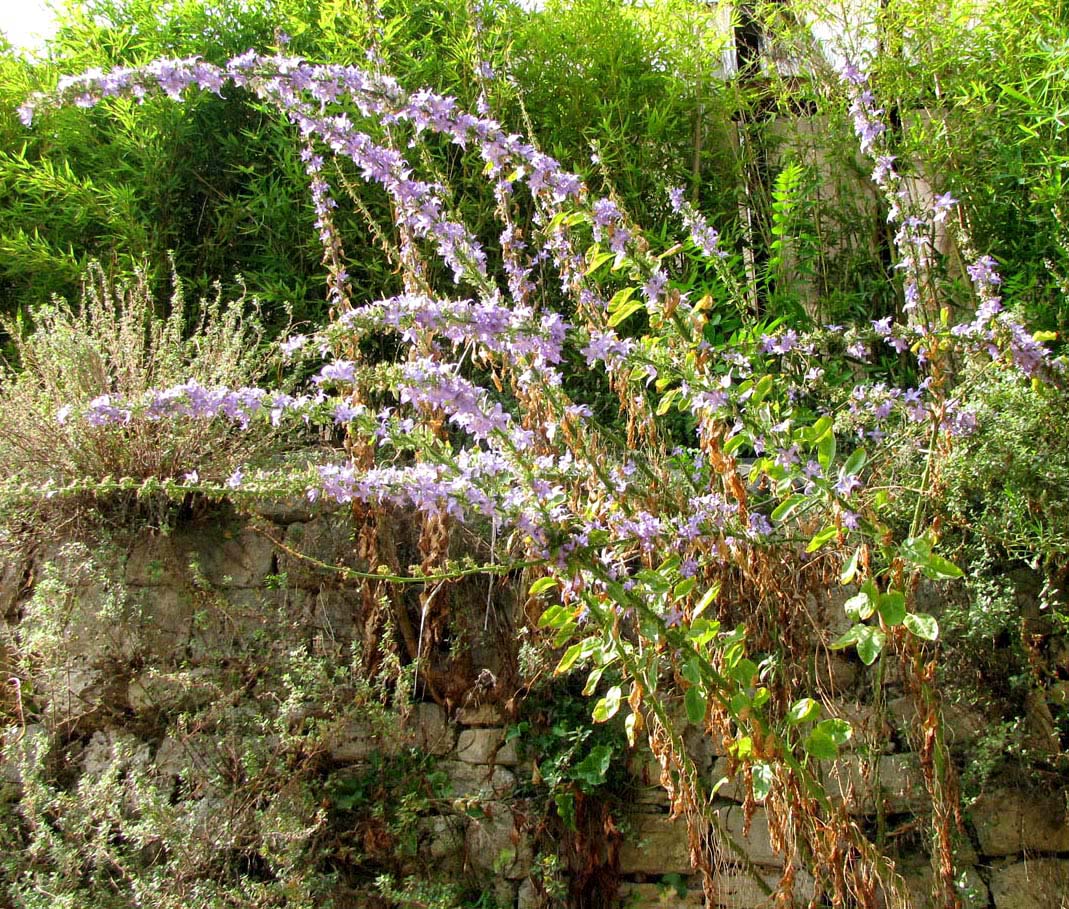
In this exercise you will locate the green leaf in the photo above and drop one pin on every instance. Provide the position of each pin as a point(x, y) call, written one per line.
point(694, 701)
point(839, 731)
point(667, 401)
point(744, 671)
point(571, 655)
point(606, 708)
point(822, 538)
point(761, 774)
point(787, 507)
point(692, 671)
point(939, 569)
point(542, 585)
point(735, 443)
point(739, 702)
point(803, 711)
point(922, 625)
point(827, 736)
point(870, 642)
point(849, 571)
point(859, 607)
point(918, 551)
point(565, 802)
point(684, 587)
point(630, 723)
point(892, 607)
point(854, 463)
point(592, 681)
point(598, 259)
point(915, 550)
point(702, 631)
point(818, 745)
point(763, 387)
point(554, 617)
point(707, 598)
point(826, 450)
point(591, 770)
point(625, 311)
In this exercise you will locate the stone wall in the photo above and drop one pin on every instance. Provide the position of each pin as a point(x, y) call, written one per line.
point(165, 630)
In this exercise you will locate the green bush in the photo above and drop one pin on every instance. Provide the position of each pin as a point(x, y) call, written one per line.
point(116, 344)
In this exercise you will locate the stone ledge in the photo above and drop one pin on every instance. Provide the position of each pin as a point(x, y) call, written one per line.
point(1009, 823)
point(1035, 884)
point(425, 728)
point(486, 746)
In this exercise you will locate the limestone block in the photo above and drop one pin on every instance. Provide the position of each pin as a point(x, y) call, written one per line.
point(166, 620)
point(736, 888)
point(239, 559)
point(294, 509)
point(702, 747)
point(895, 783)
point(733, 787)
point(12, 576)
point(327, 538)
point(1034, 884)
point(758, 843)
point(869, 724)
point(330, 615)
point(658, 896)
point(112, 750)
point(1009, 822)
point(504, 893)
point(962, 725)
point(527, 896)
point(22, 753)
point(482, 715)
point(427, 728)
point(153, 690)
point(656, 845)
point(478, 781)
point(486, 746)
point(494, 845)
point(442, 841)
point(650, 797)
point(828, 612)
point(355, 738)
point(190, 760)
point(226, 621)
point(836, 672)
point(154, 561)
point(219, 556)
point(919, 881)
point(900, 783)
point(75, 688)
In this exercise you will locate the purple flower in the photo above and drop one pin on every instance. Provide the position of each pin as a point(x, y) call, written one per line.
point(845, 485)
point(984, 271)
point(654, 287)
point(942, 206)
point(851, 74)
point(884, 170)
point(338, 371)
point(758, 526)
point(858, 350)
point(882, 327)
point(608, 348)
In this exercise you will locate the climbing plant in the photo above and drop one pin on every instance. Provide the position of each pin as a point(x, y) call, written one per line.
point(668, 548)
